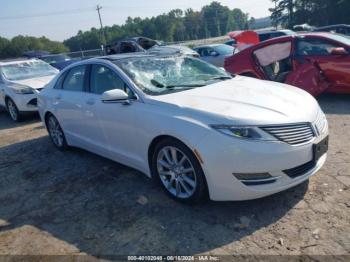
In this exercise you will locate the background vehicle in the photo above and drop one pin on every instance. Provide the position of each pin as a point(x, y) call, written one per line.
point(20, 82)
point(303, 28)
point(231, 42)
point(269, 34)
point(58, 61)
point(315, 62)
point(188, 124)
point(215, 54)
point(340, 29)
point(35, 53)
point(144, 44)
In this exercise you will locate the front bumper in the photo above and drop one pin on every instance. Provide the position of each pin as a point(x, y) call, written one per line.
point(26, 103)
point(225, 156)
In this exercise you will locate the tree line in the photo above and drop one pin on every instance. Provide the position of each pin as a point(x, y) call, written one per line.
point(177, 25)
point(20, 44)
point(314, 12)
point(212, 20)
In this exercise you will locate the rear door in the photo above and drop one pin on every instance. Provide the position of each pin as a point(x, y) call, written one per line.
point(68, 102)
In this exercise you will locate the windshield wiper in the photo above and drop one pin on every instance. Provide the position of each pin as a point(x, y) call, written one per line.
point(185, 85)
point(220, 78)
point(160, 85)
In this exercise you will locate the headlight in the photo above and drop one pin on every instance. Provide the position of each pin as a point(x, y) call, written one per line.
point(23, 90)
point(253, 133)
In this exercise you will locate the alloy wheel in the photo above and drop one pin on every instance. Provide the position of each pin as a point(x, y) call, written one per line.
point(176, 172)
point(12, 109)
point(56, 132)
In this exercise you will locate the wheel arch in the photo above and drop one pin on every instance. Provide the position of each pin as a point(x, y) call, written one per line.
point(153, 144)
point(159, 138)
point(46, 116)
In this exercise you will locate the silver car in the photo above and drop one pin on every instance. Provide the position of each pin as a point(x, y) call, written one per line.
point(215, 54)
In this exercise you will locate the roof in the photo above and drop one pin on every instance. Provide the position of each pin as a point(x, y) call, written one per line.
point(124, 56)
point(209, 45)
point(332, 26)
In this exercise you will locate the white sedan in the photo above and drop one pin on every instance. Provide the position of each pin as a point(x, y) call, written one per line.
point(20, 82)
point(195, 129)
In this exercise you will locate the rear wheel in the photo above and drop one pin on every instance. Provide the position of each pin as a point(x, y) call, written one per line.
point(56, 133)
point(177, 169)
point(13, 110)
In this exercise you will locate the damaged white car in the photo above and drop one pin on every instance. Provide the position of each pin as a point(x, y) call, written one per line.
point(197, 130)
point(20, 82)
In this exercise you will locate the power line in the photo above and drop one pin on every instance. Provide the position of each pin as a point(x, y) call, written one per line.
point(63, 12)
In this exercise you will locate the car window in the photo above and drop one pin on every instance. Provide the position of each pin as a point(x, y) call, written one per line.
point(264, 37)
point(75, 79)
point(224, 49)
point(315, 47)
point(104, 79)
point(205, 51)
point(59, 82)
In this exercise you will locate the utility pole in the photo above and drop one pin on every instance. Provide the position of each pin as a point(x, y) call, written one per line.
point(103, 37)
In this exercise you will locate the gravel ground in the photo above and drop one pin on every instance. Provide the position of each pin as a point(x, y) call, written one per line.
point(79, 203)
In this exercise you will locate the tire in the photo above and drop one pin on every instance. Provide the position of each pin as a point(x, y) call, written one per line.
point(183, 179)
point(56, 133)
point(13, 110)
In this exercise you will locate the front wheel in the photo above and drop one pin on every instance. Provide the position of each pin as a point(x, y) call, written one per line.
point(13, 110)
point(56, 133)
point(178, 170)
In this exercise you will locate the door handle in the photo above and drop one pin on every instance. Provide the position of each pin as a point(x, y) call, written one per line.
point(90, 102)
point(58, 97)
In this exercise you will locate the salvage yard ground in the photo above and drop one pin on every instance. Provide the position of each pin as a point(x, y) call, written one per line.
point(78, 203)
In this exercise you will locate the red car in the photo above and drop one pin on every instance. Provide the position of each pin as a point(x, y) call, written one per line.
point(315, 62)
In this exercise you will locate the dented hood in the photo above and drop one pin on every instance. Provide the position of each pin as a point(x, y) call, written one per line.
point(245, 101)
point(35, 83)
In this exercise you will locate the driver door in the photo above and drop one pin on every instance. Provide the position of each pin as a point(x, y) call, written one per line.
point(110, 126)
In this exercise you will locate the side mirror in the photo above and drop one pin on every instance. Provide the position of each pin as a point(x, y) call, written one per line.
point(214, 53)
point(339, 51)
point(115, 95)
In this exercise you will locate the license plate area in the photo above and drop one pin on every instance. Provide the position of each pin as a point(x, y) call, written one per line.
point(320, 149)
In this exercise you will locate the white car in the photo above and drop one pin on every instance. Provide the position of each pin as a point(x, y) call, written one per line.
point(188, 124)
point(20, 82)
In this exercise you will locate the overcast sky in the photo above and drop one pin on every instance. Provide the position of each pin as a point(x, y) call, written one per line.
point(60, 19)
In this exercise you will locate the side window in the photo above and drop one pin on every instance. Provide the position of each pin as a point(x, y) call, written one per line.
point(314, 47)
point(75, 79)
point(206, 51)
point(104, 79)
point(59, 82)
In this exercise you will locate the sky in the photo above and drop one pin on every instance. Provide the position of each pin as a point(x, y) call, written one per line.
point(61, 19)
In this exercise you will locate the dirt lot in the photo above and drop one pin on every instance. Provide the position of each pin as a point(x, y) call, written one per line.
point(78, 203)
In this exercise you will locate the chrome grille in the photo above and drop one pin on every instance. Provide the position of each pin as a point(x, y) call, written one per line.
point(293, 134)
